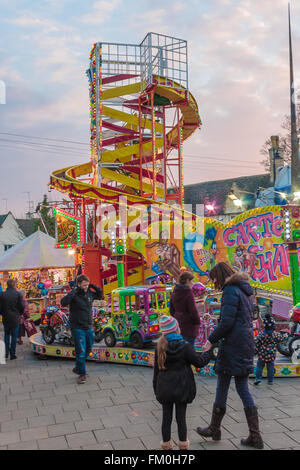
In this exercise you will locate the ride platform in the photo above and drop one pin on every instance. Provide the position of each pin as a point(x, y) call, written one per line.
point(121, 354)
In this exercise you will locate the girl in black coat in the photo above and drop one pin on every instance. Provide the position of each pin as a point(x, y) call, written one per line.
point(236, 350)
point(173, 379)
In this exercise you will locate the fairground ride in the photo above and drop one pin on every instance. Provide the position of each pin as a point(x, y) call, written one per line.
point(141, 112)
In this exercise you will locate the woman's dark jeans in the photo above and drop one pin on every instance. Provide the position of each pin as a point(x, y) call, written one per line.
point(180, 413)
point(241, 384)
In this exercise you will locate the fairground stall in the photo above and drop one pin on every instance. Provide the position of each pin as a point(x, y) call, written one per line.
point(39, 268)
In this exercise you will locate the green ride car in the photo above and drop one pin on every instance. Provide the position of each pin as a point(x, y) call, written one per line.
point(134, 315)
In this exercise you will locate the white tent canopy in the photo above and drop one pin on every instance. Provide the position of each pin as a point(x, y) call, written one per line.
point(35, 252)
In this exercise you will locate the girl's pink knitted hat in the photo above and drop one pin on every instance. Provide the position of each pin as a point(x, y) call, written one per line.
point(168, 325)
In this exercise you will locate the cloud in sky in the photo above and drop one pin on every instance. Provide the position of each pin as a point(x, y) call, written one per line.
point(33, 22)
point(238, 72)
point(100, 12)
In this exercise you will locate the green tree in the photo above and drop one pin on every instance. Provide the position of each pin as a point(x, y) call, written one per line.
point(45, 212)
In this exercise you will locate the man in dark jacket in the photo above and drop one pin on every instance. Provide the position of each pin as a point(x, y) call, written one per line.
point(11, 307)
point(80, 302)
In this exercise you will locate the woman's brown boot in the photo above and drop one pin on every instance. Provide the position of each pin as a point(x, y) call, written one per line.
point(184, 445)
point(254, 439)
point(214, 429)
point(167, 445)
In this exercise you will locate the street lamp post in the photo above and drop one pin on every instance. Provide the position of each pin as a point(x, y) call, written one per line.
point(295, 161)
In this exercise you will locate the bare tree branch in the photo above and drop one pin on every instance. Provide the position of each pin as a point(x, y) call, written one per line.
point(284, 140)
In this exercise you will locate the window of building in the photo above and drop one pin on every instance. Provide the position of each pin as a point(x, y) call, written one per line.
point(7, 247)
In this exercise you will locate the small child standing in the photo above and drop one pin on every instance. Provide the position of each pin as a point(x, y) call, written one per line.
point(173, 379)
point(265, 348)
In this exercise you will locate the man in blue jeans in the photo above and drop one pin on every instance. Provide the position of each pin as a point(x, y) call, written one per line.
point(80, 301)
point(11, 307)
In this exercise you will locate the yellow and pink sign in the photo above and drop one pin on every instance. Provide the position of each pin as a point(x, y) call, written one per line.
point(251, 242)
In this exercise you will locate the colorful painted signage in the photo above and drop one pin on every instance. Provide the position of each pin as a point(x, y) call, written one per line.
point(69, 229)
point(251, 242)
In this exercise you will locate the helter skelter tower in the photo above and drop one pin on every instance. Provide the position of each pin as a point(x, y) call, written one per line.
point(141, 112)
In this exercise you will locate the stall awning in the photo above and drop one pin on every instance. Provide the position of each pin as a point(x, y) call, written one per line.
point(34, 252)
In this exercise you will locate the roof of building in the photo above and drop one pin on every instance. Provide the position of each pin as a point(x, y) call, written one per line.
point(3, 217)
point(217, 191)
point(26, 225)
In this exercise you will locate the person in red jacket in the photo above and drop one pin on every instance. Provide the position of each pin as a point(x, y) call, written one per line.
point(23, 317)
point(183, 307)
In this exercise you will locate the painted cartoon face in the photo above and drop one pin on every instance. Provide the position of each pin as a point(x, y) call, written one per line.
point(163, 251)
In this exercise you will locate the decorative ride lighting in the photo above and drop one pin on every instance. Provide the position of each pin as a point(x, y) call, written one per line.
point(154, 329)
point(238, 202)
point(291, 223)
point(210, 207)
point(121, 246)
point(296, 196)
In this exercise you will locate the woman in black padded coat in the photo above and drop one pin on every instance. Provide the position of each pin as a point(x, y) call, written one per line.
point(236, 350)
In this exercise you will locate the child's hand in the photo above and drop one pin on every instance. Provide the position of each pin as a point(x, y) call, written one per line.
point(206, 346)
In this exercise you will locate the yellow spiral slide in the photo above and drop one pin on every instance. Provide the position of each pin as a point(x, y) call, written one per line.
point(131, 141)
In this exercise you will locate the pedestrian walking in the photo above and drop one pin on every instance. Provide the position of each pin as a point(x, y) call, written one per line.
point(265, 348)
point(12, 307)
point(173, 379)
point(80, 301)
point(184, 309)
point(25, 315)
point(236, 351)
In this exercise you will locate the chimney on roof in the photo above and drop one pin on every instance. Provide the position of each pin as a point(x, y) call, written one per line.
point(276, 157)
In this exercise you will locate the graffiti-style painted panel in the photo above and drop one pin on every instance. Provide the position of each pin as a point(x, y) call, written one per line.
point(251, 242)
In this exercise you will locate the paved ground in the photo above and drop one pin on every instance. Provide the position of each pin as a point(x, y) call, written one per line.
point(42, 407)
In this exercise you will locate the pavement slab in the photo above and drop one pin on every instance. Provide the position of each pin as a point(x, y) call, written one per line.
point(89, 425)
point(34, 433)
point(53, 443)
point(80, 439)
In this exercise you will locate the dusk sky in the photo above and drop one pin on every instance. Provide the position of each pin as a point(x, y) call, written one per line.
point(238, 72)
